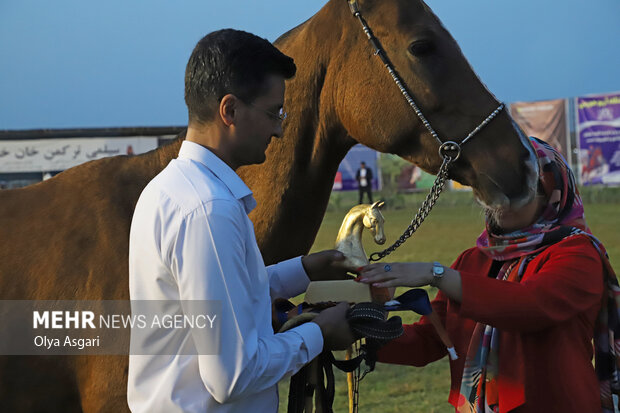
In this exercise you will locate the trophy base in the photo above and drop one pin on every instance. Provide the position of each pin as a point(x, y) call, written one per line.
point(345, 290)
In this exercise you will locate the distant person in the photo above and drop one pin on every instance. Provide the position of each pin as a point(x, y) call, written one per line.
point(364, 182)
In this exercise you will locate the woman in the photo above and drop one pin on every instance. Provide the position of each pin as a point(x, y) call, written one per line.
point(521, 307)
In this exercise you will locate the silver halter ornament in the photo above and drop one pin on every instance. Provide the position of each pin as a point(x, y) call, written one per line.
point(449, 150)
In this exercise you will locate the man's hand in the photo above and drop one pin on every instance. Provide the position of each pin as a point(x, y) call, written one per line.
point(326, 265)
point(337, 334)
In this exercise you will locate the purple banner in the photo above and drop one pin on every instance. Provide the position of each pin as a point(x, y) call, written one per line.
point(598, 128)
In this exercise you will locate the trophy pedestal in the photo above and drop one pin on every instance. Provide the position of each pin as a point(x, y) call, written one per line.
point(345, 290)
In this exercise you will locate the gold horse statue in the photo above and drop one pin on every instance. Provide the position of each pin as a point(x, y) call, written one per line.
point(349, 239)
point(349, 242)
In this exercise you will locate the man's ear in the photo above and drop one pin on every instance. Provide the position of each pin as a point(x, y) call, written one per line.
point(228, 109)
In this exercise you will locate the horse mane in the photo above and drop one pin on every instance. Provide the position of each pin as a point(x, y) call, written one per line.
point(285, 36)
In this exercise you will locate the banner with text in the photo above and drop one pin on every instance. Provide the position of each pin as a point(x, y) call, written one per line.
point(598, 131)
point(40, 155)
point(545, 119)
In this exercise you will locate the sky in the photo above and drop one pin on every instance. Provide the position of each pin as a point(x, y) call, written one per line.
point(114, 63)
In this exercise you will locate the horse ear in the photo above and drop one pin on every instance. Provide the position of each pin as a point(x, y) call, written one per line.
point(378, 204)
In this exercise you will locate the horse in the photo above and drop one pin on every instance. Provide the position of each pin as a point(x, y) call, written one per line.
point(67, 238)
point(349, 239)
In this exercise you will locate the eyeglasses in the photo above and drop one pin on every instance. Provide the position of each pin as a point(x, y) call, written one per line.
point(280, 116)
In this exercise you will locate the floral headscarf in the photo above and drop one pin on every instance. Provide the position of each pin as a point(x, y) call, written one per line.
point(564, 209)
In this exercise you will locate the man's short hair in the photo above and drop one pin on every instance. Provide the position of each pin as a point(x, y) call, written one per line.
point(230, 61)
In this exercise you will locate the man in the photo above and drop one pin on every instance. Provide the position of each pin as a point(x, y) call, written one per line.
point(191, 239)
point(364, 181)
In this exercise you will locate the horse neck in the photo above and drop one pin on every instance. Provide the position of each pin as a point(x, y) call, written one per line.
point(303, 163)
point(314, 134)
point(352, 227)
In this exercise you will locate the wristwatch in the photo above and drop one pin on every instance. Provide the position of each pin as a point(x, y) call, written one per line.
point(437, 271)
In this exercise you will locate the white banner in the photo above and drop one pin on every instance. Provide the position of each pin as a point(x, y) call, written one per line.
point(41, 155)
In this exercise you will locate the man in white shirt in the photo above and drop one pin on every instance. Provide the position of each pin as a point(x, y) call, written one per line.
point(191, 239)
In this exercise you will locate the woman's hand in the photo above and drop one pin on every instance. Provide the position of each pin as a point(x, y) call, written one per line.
point(406, 274)
point(411, 274)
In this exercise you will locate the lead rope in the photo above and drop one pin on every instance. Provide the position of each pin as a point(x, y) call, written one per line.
point(422, 213)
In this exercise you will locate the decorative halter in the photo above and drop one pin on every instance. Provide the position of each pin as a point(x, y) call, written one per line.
point(449, 150)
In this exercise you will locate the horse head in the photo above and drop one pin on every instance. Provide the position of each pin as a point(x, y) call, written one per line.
point(373, 220)
point(342, 94)
point(498, 162)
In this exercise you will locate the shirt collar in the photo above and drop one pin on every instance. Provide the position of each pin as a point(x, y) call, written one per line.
point(198, 153)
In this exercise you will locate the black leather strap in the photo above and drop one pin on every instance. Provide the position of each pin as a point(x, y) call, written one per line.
point(367, 320)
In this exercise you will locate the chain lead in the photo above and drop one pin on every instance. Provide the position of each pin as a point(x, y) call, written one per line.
point(422, 213)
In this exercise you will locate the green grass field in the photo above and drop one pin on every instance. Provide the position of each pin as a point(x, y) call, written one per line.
point(452, 227)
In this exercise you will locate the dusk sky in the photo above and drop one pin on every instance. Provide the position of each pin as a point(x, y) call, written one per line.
point(79, 63)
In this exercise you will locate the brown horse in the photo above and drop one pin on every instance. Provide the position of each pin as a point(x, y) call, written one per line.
point(67, 238)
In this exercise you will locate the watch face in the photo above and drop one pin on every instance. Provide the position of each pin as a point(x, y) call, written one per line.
point(438, 269)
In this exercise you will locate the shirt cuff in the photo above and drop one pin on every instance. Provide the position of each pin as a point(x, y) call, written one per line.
point(313, 338)
point(291, 276)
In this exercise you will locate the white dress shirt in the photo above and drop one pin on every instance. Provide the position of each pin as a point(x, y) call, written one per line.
point(363, 180)
point(191, 239)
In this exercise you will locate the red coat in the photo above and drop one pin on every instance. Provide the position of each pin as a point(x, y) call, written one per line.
point(546, 323)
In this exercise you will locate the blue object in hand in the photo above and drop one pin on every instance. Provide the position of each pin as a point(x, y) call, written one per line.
point(415, 300)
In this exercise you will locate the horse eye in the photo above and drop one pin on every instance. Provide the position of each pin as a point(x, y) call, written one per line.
point(421, 47)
